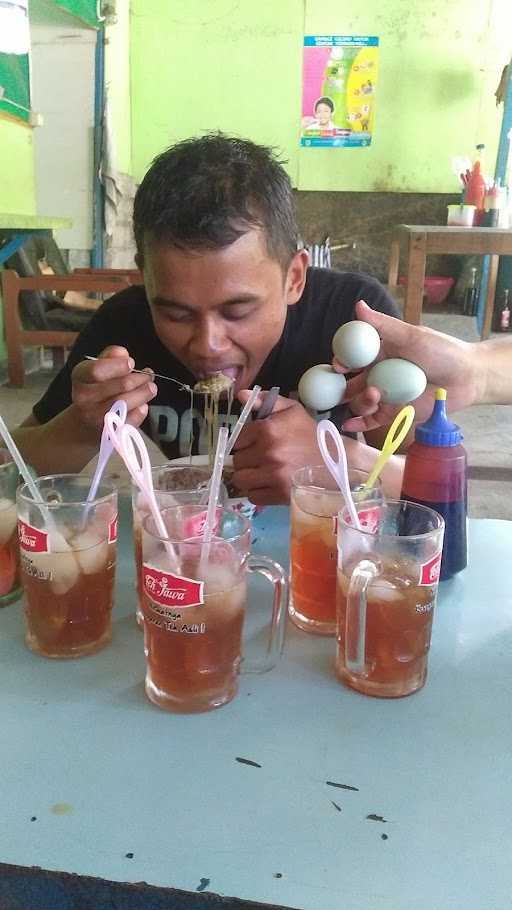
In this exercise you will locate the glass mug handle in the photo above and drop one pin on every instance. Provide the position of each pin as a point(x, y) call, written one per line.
point(355, 617)
point(275, 574)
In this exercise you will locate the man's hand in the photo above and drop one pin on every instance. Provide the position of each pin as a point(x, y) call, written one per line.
point(447, 361)
point(269, 451)
point(96, 384)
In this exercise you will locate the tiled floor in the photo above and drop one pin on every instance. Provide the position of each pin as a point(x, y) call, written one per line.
point(487, 430)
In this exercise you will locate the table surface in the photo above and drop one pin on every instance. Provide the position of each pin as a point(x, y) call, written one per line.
point(13, 221)
point(104, 774)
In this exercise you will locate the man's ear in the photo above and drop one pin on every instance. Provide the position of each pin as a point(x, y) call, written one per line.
point(296, 277)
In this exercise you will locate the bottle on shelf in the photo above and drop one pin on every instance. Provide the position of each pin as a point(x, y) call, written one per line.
point(435, 475)
point(471, 295)
point(492, 204)
point(505, 313)
point(475, 191)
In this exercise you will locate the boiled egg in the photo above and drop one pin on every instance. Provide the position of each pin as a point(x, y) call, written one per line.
point(399, 380)
point(321, 388)
point(356, 344)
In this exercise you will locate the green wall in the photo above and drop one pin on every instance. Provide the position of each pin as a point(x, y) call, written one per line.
point(16, 167)
point(237, 67)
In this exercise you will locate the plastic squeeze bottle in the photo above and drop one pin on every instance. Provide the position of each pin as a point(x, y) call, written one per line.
point(435, 475)
point(475, 191)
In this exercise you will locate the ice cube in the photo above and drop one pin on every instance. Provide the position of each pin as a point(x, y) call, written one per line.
point(90, 551)
point(61, 568)
point(384, 590)
point(65, 573)
point(60, 562)
point(317, 505)
point(8, 520)
point(218, 579)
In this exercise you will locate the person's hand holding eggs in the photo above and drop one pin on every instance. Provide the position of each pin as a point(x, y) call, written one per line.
point(355, 346)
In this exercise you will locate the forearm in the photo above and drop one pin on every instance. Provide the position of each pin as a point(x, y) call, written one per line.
point(63, 445)
point(493, 365)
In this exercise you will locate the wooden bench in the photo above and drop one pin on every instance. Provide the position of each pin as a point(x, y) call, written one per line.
point(17, 337)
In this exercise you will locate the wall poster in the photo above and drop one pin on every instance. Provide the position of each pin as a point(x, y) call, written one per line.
point(338, 92)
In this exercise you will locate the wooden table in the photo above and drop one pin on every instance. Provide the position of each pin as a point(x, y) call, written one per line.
point(423, 240)
point(98, 782)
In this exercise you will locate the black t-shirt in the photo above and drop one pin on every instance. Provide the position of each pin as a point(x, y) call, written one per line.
point(125, 319)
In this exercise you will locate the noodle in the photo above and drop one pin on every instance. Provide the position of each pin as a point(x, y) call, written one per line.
point(213, 387)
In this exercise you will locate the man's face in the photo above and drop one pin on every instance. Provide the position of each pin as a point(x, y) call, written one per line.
point(221, 309)
point(323, 113)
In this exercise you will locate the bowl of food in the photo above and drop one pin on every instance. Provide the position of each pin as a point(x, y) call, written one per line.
point(239, 503)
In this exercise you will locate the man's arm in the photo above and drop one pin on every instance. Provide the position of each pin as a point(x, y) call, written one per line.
point(68, 441)
point(492, 365)
point(64, 444)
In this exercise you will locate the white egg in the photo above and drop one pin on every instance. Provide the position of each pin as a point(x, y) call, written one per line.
point(399, 381)
point(356, 344)
point(320, 388)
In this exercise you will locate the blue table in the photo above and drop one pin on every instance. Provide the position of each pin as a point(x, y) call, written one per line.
point(118, 790)
point(15, 230)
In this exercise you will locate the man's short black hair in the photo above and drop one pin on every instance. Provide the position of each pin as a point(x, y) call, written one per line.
point(206, 192)
point(327, 101)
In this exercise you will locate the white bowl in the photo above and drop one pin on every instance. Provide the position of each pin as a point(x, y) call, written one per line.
point(239, 503)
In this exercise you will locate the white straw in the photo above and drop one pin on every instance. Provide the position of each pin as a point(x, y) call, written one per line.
point(218, 465)
point(20, 464)
point(25, 473)
point(246, 410)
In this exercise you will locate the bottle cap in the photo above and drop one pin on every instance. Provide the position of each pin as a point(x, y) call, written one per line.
point(438, 430)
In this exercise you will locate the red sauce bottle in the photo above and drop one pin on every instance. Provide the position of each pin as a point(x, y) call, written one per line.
point(435, 475)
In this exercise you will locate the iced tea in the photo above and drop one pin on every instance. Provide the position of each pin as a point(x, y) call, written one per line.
point(315, 502)
point(386, 592)
point(173, 485)
point(68, 567)
point(399, 617)
point(193, 653)
point(194, 609)
point(9, 550)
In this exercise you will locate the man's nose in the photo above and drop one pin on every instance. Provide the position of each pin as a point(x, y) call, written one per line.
point(209, 338)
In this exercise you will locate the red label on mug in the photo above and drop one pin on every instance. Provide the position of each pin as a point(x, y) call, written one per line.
point(369, 519)
point(194, 527)
point(172, 591)
point(32, 539)
point(429, 571)
point(112, 530)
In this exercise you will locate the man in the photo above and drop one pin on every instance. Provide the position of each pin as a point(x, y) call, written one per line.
point(226, 288)
point(472, 373)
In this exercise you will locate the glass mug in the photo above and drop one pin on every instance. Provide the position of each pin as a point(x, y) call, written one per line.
point(315, 503)
point(173, 485)
point(386, 593)
point(68, 557)
point(194, 610)
point(10, 588)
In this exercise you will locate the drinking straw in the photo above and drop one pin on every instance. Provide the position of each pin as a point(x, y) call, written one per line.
point(20, 464)
point(220, 454)
point(338, 469)
point(119, 410)
point(237, 429)
point(130, 445)
point(25, 473)
point(394, 439)
point(246, 410)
